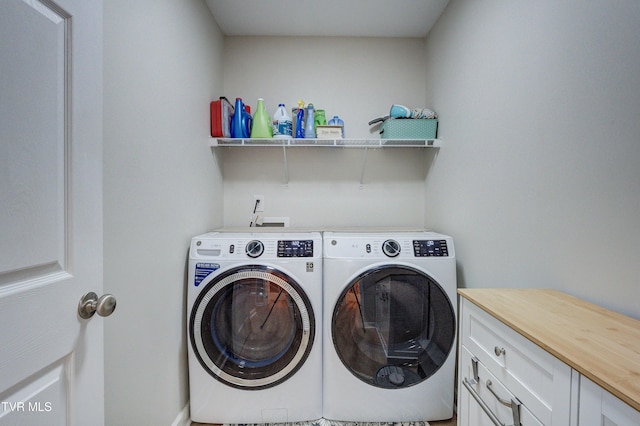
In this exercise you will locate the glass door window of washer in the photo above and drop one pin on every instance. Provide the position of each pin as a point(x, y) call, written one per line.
point(252, 327)
point(393, 327)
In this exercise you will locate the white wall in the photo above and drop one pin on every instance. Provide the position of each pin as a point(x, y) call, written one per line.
point(539, 178)
point(355, 78)
point(161, 187)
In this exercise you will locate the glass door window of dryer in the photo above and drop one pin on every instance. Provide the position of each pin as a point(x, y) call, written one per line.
point(393, 327)
point(252, 327)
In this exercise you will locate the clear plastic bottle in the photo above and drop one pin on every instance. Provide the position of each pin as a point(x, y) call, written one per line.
point(310, 124)
point(282, 124)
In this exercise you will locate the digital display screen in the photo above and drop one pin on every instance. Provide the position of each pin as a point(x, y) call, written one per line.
point(430, 248)
point(295, 248)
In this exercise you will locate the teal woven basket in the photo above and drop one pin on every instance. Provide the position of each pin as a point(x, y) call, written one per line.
point(409, 128)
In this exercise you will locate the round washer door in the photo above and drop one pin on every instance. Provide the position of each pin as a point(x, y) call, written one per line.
point(252, 327)
point(393, 327)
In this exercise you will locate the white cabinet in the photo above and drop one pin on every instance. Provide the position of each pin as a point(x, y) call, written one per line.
point(598, 407)
point(506, 376)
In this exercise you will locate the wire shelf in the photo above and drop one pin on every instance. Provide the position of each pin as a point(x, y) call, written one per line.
point(347, 143)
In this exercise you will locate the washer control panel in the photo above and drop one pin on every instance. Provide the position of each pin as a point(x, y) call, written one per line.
point(430, 248)
point(295, 248)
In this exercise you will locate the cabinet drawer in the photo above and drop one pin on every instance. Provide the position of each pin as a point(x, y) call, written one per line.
point(486, 390)
point(539, 380)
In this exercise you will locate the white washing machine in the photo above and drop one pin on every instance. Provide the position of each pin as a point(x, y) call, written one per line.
point(254, 309)
point(389, 326)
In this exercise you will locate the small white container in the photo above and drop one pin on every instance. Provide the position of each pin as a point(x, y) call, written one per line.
point(282, 123)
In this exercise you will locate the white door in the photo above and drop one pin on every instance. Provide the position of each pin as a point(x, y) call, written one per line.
point(51, 360)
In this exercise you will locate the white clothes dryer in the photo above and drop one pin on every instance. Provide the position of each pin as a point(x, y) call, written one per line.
point(254, 309)
point(389, 326)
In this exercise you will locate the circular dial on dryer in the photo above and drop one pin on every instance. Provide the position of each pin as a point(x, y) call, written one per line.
point(391, 248)
point(254, 249)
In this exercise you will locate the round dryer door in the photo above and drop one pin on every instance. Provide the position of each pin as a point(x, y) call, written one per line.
point(393, 327)
point(252, 327)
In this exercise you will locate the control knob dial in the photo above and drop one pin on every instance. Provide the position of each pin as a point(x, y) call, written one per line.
point(254, 249)
point(391, 248)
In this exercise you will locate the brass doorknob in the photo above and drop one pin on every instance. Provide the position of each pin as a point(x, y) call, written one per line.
point(90, 304)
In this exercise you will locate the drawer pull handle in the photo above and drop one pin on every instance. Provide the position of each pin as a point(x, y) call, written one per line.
point(474, 366)
point(499, 351)
point(514, 404)
point(494, 419)
point(504, 402)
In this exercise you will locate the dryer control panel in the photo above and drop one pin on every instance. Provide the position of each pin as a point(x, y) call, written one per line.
point(295, 248)
point(430, 248)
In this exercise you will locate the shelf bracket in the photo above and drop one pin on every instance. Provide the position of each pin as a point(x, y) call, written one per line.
point(364, 165)
point(286, 165)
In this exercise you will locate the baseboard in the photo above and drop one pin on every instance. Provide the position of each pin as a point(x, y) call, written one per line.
point(183, 418)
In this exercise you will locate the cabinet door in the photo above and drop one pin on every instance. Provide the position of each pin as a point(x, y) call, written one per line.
point(597, 407)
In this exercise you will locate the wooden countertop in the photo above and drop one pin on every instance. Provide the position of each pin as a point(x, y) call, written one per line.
point(600, 344)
